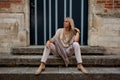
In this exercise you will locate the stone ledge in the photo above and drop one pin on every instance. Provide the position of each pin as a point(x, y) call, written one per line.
point(34, 60)
point(58, 73)
point(86, 50)
point(34, 50)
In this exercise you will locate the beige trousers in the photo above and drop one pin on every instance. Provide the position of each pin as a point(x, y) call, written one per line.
point(74, 48)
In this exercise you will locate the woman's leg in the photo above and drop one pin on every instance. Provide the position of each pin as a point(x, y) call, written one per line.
point(78, 57)
point(45, 55)
point(44, 58)
point(77, 51)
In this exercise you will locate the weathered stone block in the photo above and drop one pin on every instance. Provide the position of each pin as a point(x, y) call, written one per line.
point(104, 29)
point(12, 6)
point(11, 27)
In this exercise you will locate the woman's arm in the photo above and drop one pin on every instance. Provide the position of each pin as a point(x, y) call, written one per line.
point(52, 39)
point(49, 41)
point(77, 36)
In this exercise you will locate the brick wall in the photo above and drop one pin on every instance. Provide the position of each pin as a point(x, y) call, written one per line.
point(109, 3)
point(7, 3)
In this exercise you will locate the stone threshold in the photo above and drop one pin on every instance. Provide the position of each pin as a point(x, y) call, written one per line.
point(33, 60)
point(88, 50)
point(59, 73)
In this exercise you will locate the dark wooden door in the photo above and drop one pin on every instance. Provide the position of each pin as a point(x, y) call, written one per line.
point(49, 16)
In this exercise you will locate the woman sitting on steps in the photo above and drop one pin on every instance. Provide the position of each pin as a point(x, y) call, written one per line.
point(63, 44)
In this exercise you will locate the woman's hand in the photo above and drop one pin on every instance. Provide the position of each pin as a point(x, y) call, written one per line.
point(77, 35)
point(77, 30)
point(49, 41)
point(48, 44)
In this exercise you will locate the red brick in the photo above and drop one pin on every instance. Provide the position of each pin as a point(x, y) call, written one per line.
point(4, 0)
point(7, 5)
point(101, 1)
point(109, 1)
point(108, 5)
point(15, 1)
point(117, 6)
point(4, 5)
point(117, 2)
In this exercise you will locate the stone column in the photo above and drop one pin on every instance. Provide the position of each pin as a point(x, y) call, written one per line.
point(104, 23)
point(14, 24)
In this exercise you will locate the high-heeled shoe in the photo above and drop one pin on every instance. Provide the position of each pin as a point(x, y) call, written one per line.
point(80, 67)
point(40, 69)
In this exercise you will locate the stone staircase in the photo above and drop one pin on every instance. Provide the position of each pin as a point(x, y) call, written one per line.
point(22, 62)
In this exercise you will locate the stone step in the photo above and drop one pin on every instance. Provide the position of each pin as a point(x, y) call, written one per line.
point(59, 73)
point(34, 60)
point(38, 50)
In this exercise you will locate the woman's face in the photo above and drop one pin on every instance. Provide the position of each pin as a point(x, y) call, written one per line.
point(66, 23)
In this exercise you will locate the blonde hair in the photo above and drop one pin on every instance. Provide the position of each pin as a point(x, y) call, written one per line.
point(72, 25)
point(72, 31)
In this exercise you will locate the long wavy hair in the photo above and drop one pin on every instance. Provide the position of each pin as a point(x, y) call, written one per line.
point(72, 25)
point(72, 31)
